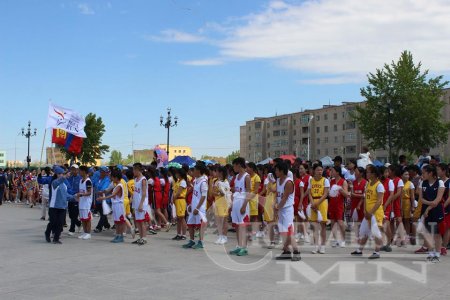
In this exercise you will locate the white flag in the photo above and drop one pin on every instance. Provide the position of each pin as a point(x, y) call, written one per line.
point(66, 119)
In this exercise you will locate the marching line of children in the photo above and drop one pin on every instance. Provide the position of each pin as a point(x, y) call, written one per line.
point(280, 200)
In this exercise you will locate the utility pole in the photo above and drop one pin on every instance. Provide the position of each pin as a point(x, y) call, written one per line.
point(28, 134)
point(168, 124)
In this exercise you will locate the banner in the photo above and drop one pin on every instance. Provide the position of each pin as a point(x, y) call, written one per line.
point(59, 137)
point(66, 119)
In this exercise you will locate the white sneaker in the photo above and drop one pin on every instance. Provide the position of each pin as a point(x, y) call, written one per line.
point(71, 233)
point(342, 244)
point(219, 241)
point(316, 250)
point(86, 237)
point(224, 240)
point(334, 244)
point(81, 236)
point(307, 239)
point(322, 250)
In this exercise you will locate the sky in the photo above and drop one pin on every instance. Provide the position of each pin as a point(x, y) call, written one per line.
point(215, 63)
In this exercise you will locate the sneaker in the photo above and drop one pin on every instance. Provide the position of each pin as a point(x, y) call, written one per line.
point(443, 251)
point(199, 245)
point(189, 245)
point(435, 260)
point(115, 238)
point(176, 238)
point(219, 241)
point(57, 242)
point(357, 253)
point(412, 241)
point(342, 244)
point(168, 226)
point(152, 232)
point(296, 256)
point(422, 250)
point(334, 244)
point(235, 251)
point(224, 240)
point(81, 236)
point(316, 250)
point(96, 230)
point(183, 238)
point(86, 237)
point(78, 229)
point(70, 233)
point(242, 252)
point(286, 255)
point(133, 233)
point(47, 238)
point(136, 242)
point(386, 248)
point(374, 256)
point(142, 242)
point(272, 245)
point(322, 250)
point(119, 239)
point(307, 239)
point(429, 257)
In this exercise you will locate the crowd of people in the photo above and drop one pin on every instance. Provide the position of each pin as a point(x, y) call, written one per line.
point(286, 203)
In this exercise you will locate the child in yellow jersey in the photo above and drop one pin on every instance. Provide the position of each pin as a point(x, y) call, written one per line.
point(222, 201)
point(127, 209)
point(407, 204)
point(255, 182)
point(179, 199)
point(269, 214)
point(319, 188)
point(373, 208)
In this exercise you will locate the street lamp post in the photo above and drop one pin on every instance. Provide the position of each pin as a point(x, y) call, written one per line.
point(390, 111)
point(168, 124)
point(311, 117)
point(28, 134)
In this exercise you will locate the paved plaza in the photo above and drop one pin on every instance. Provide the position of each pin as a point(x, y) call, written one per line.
point(96, 269)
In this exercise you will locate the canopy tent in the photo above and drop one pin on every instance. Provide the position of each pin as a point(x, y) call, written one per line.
point(209, 162)
point(265, 162)
point(327, 161)
point(182, 160)
point(288, 157)
point(377, 163)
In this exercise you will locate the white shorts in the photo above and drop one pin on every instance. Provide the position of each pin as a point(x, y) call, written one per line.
point(236, 216)
point(118, 213)
point(85, 215)
point(286, 220)
point(141, 216)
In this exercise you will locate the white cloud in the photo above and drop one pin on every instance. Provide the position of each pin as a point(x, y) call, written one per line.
point(348, 38)
point(339, 40)
point(203, 62)
point(175, 36)
point(85, 9)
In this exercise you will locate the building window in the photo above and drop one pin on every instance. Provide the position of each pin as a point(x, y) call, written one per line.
point(318, 141)
point(249, 128)
point(249, 137)
point(318, 129)
point(343, 138)
point(326, 151)
point(1, 154)
point(284, 122)
point(325, 129)
point(350, 149)
point(276, 123)
point(335, 116)
point(335, 151)
point(304, 119)
point(295, 122)
point(318, 118)
point(325, 140)
point(276, 133)
point(258, 125)
point(325, 117)
point(305, 130)
point(283, 132)
point(295, 132)
point(268, 146)
point(318, 151)
point(343, 115)
point(268, 135)
point(343, 126)
point(305, 141)
point(335, 127)
point(184, 151)
point(351, 136)
point(335, 139)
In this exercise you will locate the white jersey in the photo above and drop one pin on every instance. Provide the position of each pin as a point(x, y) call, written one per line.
point(239, 184)
point(137, 196)
point(200, 190)
point(280, 192)
point(85, 201)
point(117, 198)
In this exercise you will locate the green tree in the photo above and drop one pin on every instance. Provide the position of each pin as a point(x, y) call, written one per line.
point(116, 158)
point(232, 156)
point(128, 160)
point(400, 94)
point(92, 145)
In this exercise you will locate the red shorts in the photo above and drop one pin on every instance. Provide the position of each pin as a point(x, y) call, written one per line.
point(290, 231)
point(146, 218)
point(336, 210)
point(158, 201)
point(196, 226)
point(447, 221)
point(359, 211)
point(246, 223)
point(387, 212)
point(165, 202)
point(120, 221)
point(397, 208)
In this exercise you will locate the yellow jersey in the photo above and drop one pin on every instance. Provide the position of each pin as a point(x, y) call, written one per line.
point(372, 198)
point(177, 186)
point(317, 188)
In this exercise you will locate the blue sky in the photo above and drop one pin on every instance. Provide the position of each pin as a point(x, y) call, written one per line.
point(215, 63)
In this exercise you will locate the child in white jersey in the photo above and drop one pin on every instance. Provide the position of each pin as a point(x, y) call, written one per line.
point(197, 209)
point(285, 208)
point(240, 212)
point(84, 197)
point(140, 203)
point(118, 210)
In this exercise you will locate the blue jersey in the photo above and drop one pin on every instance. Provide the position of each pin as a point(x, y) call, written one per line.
point(429, 193)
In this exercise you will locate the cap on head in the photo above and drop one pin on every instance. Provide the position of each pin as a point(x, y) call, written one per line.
point(59, 171)
point(104, 169)
point(75, 166)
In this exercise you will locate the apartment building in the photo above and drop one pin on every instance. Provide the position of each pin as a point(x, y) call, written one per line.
point(329, 131)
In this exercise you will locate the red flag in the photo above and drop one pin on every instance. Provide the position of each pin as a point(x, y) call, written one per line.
point(59, 137)
point(73, 144)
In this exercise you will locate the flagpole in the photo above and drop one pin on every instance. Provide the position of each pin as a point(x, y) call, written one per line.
point(42, 149)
